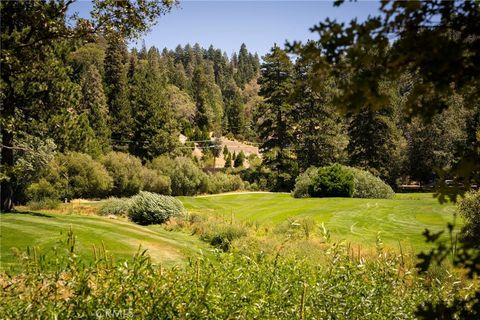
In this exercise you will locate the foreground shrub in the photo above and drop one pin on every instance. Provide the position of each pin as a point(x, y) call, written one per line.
point(303, 183)
point(225, 286)
point(222, 182)
point(151, 208)
point(366, 185)
point(126, 171)
point(469, 209)
point(115, 206)
point(332, 181)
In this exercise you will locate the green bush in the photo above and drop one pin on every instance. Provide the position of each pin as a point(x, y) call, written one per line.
point(115, 206)
point(366, 185)
point(151, 208)
point(187, 179)
point(222, 182)
point(126, 171)
point(303, 183)
point(154, 181)
point(163, 164)
point(42, 190)
point(253, 285)
point(469, 209)
point(77, 175)
point(332, 181)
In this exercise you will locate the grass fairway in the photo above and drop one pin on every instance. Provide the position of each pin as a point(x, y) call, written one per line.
point(121, 238)
point(402, 219)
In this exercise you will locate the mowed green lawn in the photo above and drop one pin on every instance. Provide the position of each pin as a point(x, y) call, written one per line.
point(120, 238)
point(402, 219)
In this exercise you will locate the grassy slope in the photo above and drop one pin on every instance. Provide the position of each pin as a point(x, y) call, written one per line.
point(121, 238)
point(357, 220)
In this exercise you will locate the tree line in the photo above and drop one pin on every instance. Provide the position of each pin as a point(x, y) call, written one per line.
point(76, 87)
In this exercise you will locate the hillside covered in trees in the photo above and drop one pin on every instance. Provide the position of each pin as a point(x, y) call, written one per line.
point(85, 91)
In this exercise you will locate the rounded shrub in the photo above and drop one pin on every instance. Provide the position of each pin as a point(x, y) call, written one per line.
point(303, 183)
point(222, 182)
point(152, 208)
point(186, 178)
point(126, 171)
point(77, 175)
point(366, 185)
point(332, 181)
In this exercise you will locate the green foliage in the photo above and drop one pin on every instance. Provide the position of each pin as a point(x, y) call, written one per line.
point(304, 182)
point(94, 104)
point(153, 181)
point(42, 190)
point(239, 160)
point(376, 143)
point(115, 206)
point(274, 121)
point(228, 160)
point(34, 157)
point(37, 38)
point(155, 126)
point(151, 208)
point(221, 182)
point(187, 179)
point(45, 203)
point(469, 209)
point(126, 171)
point(332, 181)
point(366, 185)
point(438, 57)
point(436, 143)
point(116, 89)
point(77, 175)
point(222, 236)
point(240, 285)
point(72, 132)
point(319, 132)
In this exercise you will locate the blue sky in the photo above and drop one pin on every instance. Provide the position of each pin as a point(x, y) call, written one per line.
point(259, 24)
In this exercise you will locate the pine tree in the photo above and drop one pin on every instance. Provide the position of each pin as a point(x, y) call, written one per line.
point(319, 132)
point(155, 129)
point(245, 67)
point(117, 90)
point(376, 144)
point(208, 99)
point(234, 109)
point(72, 132)
point(275, 124)
point(239, 160)
point(94, 104)
point(228, 160)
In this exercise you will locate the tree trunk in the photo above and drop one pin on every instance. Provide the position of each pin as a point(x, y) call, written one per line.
point(6, 186)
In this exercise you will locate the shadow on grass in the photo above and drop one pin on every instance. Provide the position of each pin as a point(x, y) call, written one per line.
point(35, 214)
